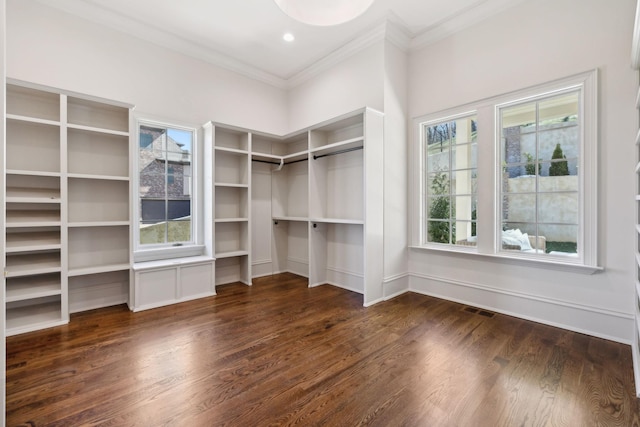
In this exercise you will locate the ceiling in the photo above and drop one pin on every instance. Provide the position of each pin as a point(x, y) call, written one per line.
point(246, 35)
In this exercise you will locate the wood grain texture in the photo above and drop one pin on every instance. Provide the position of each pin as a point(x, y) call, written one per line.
point(279, 353)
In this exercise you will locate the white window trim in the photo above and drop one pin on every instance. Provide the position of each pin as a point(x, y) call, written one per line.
point(489, 171)
point(167, 251)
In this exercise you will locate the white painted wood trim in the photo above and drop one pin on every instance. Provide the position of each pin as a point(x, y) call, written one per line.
point(608, 324)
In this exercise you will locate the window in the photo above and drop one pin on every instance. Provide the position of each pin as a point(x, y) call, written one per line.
point(512, 176)
point(450, 150)
point(540, 151)
point(165, 209)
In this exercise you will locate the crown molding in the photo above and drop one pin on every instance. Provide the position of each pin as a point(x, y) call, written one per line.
point(460, 21)
point(162, 38)
point(390, 29)
point(373, 36)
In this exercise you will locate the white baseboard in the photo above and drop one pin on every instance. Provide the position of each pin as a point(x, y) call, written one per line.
point(350, 280)
point(298, 266)
point(394, 286)
point(594, 321)
point(261, 268)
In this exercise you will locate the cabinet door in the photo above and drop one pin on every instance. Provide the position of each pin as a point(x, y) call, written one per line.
point(156, 287)
point(196, 280)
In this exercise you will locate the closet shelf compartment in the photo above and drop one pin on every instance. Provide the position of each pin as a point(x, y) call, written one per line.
point(354, 143)
point(86, 114)
point(32, 264)
point(34, 317)
point(232, 254)
point(32, 195)
point(28, 288)
point(31, 215)
point(31, 102)
point(266, 157)
point(98, 130)
point(98, 269)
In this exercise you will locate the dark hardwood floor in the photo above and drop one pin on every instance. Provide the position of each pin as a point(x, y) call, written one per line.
point(279, 353)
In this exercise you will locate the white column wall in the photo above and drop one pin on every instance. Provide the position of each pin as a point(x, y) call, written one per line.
point(395, 171)
point(532, 43)
point(349, 85)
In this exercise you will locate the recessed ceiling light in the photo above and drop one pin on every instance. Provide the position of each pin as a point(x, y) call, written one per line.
point(288, 37)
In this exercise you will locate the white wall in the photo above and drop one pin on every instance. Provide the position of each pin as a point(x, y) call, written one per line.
point(53, 48)
point(395, 170)
point(349, 85)
point(535, 42)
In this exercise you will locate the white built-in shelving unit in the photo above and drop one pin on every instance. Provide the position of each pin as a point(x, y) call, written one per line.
point(67, 197)
point(310, 199)
point(231, 196)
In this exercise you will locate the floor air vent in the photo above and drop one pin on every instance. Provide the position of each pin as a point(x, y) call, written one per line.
point(481, 312)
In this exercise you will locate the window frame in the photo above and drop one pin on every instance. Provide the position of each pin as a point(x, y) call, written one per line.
point(490, 169)
point(424, 169)
point(169, 250)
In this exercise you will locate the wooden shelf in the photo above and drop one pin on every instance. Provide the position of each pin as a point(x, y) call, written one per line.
point(98, 269)
point(33, 264)
point(303, 155)
point(232, 254)
point(232, 140)
point(33, 146)
point(92, 200)
point(223, 220)
point(96, 116)
point(98, 130)
point(32, 103)
point(33, 317)
point(32, 218)
point(35, 120)
point(26, 288)
point(32, 241)
point(349, 144)
point(337, 221)
point(86, 224)
point(231, 185)
point(32, 195)
point(98, 177)
point(32, 173)
point(232, 151)
point(290, 218)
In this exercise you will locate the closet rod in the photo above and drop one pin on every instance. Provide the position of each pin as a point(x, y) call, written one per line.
point(265, 161)
point(337, 152)
point(276, 163)
point(299, 160)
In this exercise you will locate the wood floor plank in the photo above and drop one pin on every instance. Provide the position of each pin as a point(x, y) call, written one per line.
point(279, 353)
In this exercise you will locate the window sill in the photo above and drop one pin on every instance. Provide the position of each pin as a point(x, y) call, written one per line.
point(148, 265)
point(523, 260)
point(168, 253)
